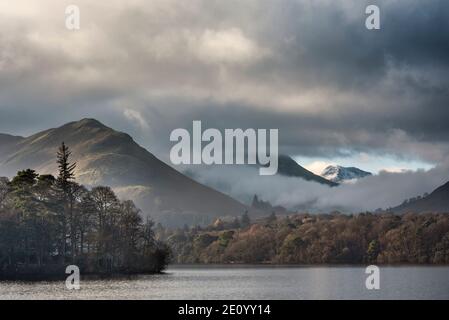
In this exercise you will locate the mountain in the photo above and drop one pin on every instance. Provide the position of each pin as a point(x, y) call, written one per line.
point(107, 157)
point(341, 174)
point(437, 201)
point(290, 168)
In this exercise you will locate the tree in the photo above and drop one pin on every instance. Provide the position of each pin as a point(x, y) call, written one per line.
point(373, 251)
point(65, 182)
point(245, 221)
point(86, 221)
point(4, 189)
point(129, 224)
point(66, 169)
point(34, 226)
point(107, 208)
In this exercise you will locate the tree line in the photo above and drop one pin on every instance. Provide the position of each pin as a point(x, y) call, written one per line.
point(316, 239)
point(47, 223)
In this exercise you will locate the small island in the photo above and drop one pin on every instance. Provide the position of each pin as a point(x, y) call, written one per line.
point(48, 223)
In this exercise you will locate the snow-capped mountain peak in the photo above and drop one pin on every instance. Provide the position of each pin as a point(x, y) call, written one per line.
point(341, 174)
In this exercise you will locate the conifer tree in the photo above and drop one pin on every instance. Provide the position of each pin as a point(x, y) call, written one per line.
point(65, 182)
point(66, 169)
point(245, 221)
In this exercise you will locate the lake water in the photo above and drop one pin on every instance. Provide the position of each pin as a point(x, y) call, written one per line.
point(249, 282)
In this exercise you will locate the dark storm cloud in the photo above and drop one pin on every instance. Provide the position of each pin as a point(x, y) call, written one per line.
point(309, 68)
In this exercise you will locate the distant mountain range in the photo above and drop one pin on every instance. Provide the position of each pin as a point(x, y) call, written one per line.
point(107, 157)
point(289, 167)
point(339, 174)
point(437, 201)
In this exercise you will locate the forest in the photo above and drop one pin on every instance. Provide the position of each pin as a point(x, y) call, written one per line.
point(47, 223)
point(335, 238)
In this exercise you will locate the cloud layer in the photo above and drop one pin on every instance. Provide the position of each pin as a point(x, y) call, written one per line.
point(385, 190)
point(309, 68)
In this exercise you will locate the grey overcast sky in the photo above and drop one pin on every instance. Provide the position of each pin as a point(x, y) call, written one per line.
point(337, 91)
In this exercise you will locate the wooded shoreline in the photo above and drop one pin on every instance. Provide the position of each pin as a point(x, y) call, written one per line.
point(58, 274)
point(48, 223)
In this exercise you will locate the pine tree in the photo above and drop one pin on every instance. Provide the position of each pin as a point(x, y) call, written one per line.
point(66, 169)
point(66, 184)
point(245, 221)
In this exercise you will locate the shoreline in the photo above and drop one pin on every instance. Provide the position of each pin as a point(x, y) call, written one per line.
point(273, 265)
point(117, 275)
point(90, 276)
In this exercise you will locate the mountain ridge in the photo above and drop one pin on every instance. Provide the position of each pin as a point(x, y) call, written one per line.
point(108, 157)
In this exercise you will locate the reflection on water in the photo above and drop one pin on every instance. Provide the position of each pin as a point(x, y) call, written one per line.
point(251, 282)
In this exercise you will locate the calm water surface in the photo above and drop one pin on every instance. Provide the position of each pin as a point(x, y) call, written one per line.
point(252, 282)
